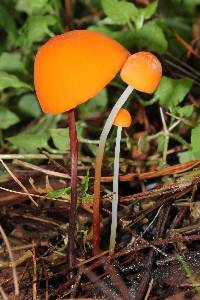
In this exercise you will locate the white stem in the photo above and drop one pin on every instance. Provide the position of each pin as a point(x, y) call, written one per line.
point(99, 158)
point(115, 191)
point(108, 125)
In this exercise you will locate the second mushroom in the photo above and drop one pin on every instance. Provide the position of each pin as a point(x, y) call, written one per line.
point(123, 119)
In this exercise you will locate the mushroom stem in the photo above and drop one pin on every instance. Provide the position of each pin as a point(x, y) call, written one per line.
point(115, 191)
point(98, 165)
point(72, 213)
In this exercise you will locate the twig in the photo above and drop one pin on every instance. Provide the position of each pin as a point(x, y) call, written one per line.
point(45, 171)
point(47, 285)
point(51, 159)
point(118, 281)
point(18, 182)
point(149, 290)
point(34, 272)
point(3, 294)
point(76, 284)
point(15, 277)
point(29, 156)
point(173, 188)
point(33, 195)
point(103, 287)
point(166, 132)
point(152, 222)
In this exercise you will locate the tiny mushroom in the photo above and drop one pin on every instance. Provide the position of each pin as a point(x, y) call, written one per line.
point(123, 119)
point(70, 69)
point(142, 71)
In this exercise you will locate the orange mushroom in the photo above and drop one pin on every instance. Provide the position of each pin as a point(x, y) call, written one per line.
point(70, 69)
point(123, 119)
point(142, 71)
point(73, 67)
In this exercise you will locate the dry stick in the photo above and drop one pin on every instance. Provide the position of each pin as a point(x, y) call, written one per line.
point(42, 170)
point(47, 285)
point(29, 156)
point(15, 278)
point(102, 286)
point(118, 281)
point(146, 277)
point(18, 182)
point(3, 294)
point(34, 272)
point(53, 161)
point(33, 195)
point(72, 213)
point(149, 290)
point(179, 168)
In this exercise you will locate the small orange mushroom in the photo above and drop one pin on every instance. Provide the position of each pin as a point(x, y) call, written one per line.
point(123, 119)
point(142, 71)
point(70, 69)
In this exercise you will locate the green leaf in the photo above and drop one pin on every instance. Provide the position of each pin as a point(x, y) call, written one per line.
point(8, 23)
point(60, 136)
point(27, 101)
point(152, 38)
point(186, 156)
point(160, 143)
point(149, 10)
point(144, 14)
point(171, 92)
point(85, 182)
point(195, 143)
point(30, 142)
point(93, 149)
point(125, 37)
point(185, 111)
point(7, 118)
point(95, 105)
point(46, 122)
point(35, 29)
point(11, 62)
point(59, 193)
point(11, 81)
point(195, 139)
point(31, 6)
point(120, 12)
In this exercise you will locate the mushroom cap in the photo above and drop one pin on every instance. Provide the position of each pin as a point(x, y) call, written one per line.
point(142, 71)
point(123, 118)
point(73, 67)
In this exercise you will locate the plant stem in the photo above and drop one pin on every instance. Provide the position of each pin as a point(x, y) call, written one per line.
point(115, 191)
point(99, 159)
point(72, 213)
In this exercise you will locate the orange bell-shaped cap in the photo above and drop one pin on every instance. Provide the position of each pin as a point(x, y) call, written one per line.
point(123, 118)
point(142, 71)
point(73, 67)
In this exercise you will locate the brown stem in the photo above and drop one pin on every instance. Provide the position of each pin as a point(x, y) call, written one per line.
point(68, 8)
point(72, 213)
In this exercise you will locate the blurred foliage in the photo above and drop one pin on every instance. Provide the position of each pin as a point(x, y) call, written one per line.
point(26, 24)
